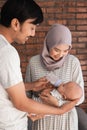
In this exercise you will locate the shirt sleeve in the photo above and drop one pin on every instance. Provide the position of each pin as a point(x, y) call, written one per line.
point(10, 72)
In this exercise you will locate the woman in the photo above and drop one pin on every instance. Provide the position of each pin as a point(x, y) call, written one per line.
point(55, 58)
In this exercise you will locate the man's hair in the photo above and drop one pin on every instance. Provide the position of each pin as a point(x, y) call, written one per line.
point(22, 10)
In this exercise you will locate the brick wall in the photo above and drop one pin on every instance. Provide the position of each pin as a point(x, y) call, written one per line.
point(72, 13)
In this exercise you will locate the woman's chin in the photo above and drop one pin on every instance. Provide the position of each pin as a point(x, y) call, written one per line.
point(58, 59)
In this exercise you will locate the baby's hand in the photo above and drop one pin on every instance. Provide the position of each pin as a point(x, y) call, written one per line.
point(49, 99)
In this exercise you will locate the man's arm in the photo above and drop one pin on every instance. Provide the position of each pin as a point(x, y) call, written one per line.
point(18, 97)
point(36, 85)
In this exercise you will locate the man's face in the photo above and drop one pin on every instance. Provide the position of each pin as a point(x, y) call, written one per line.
point(25, 30)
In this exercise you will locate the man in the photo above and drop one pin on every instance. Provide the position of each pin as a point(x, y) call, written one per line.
point(19, 19)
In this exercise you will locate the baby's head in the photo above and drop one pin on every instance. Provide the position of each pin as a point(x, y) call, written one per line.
point(70, 90)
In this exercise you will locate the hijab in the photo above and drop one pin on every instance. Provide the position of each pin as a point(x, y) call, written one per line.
point(57, 34)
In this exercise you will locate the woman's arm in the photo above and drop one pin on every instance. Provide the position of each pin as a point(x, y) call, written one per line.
point(78, 77)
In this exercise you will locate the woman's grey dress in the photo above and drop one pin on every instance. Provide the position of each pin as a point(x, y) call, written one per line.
point(71, 71)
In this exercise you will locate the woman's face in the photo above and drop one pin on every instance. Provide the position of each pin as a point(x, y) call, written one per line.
point(59, 51)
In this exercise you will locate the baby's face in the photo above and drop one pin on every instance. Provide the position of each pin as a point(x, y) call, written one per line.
point(68, 91)
point(63, 90)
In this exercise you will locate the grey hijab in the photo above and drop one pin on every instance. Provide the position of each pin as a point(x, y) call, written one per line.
point(58, 34)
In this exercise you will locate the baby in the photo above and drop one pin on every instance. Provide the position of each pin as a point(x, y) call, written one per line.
point(69, 91)
point(62, 91)
point(65, 92)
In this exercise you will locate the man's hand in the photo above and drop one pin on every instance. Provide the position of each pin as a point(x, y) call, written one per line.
point(36, 86)
point(35, 117)
point(46, 91)
point(39, 84)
